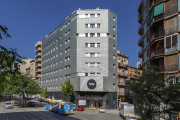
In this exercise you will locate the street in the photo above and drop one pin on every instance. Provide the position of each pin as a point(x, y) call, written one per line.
point(39, 113)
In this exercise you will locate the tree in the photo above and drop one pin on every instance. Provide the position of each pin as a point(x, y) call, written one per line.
point(43, 91)
point(68, 89)
point(153, 91)
point(8, 58)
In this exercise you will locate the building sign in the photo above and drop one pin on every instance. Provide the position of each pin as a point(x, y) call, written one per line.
point(91, 84)
point(82, 102)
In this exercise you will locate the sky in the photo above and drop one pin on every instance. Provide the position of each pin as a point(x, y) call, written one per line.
point(29, 21)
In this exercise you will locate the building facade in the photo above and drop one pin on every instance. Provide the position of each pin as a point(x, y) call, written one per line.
point(83, 49)
point(159, 30)
point(31, 70)
point(38, 65)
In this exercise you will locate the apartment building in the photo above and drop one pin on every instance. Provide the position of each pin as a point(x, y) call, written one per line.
point(83, 49)
point(22, 67)
point(159, 29)
point(38, 57)
point(31, 70)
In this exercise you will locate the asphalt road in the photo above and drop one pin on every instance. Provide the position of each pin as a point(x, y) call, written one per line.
point(39, 113)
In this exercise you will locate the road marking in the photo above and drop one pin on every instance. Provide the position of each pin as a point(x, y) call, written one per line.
point(7, 119)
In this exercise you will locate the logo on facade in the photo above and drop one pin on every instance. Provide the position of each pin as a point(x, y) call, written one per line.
point(91, 84)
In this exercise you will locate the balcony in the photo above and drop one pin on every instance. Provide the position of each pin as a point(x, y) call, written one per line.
point(140, 53)
point(157, 1)
point(122, 84)
point(140, 30)
point(38, 55)
point(157, 52)
point(122, 65)
point(155, 21)
point(171, 49)
point(170, 12)
point(38, 75)
point(38, 66)
point(38, 44)
point(171, 68)
point(38, 50)
point(140, 42)
point(38, 70)
point(122, 74)
point(121, 93)
point(171, 30)
point(38, 60)
point(140, 19)
point(156, 35)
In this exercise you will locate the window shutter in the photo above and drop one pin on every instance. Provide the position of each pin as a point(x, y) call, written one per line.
point(168, 42)
point(174, 4)
point(158, 9)
point(168, 6)
point(171, 23)
point(174, 39)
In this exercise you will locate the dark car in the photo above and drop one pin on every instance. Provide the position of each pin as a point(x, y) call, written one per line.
point(80, 108)
point(31, 104)
point(41, 100)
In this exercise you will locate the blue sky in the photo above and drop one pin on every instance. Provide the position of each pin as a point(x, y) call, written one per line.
point(30, 20)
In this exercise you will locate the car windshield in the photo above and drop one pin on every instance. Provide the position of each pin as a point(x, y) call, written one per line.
point(101, 107)
point(8, 103)
point(132, 117)
point(80, 106)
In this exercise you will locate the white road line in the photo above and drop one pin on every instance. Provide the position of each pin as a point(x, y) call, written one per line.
point(7, 119)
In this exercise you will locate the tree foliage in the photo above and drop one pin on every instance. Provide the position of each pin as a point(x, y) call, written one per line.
point(153, 92)
point(8, 58)
point(68, 89)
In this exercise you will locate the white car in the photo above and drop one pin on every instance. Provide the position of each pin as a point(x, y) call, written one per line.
point(8, 105)
point(102, 109)
point(131, 118)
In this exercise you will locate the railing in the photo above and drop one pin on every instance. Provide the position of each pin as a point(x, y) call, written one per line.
point(158, 17)
point(170, 12)
point(139, 28)
point(170, 68)
point(157, 1)
point(121, 83)
point(152, 55)
point(170, 30)
point(122, 64)
point(152, 38)
point(157, 52)
point(171, 49)
point(140, 52)
point(157, 34)
point(151, 6)
point(121, 93)
point(139, 18)
point(123, 74)
point(139, 40)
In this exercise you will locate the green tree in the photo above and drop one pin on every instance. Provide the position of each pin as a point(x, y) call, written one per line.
point(43, 91)
point(68, 89)
point(153, 91)
point(8, 58)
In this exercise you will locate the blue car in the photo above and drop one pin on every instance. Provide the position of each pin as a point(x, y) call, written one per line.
point(36, 98)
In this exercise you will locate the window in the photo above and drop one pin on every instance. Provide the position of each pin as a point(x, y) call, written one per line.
point(69, 39)
point(92, 44)
point(69, 22)
point(61, 61)
point(92, 15)
point(92, 64)
point(98, 25)
point(114, 28)
point(107, 34)
point(92, 54)
point(77, 35)
point(86, 25)
point(68, 31)
point(98, 34)
point(92, 74)
point(65, 33)
point(98, 55)
point(86, 44)
point(56, 47)
point(114, 57)
point(86, 74)
point(92, 34)
point(61, 37)
point(114, 47)
point(98, 64)
point(86, 55)
point(98, 45)
point(61, 45)
point(56, 40)
point(86, 34)
point(92, 25)
point(114, 36)
point(114, 76)
point(114, 66)
point(98, 15)
point(65, 41)
point(114, 18)
point(86, 15)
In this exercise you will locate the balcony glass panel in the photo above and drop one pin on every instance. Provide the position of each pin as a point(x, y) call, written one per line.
point(171, 49)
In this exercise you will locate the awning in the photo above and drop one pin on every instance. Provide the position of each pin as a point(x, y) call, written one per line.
point(158, 9)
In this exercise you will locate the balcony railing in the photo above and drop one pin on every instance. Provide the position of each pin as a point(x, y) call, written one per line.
point(170, 30)
point(157, 1)
point(123, 74)
point(170, 68)
point(171, 49)
point(140, 52)
point(121, 83)
point(157, 52)
point(139, 40)
point(157, 34)
point(139, 28)
point(121, 93)
point(170, 12)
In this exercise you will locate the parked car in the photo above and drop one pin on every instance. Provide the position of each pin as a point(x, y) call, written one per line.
point(31, 104)
point(131, 118)
point(8, 105)
point(36, 98)
point(41, 100)
point(80, 108)
point(102, 109)
point(74, 105)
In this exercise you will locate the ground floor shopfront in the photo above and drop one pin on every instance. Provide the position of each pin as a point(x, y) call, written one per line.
point(89, 99)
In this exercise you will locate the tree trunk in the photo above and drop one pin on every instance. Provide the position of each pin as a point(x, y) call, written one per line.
point(23, 99)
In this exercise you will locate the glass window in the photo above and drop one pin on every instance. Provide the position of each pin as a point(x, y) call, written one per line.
point(92, 25)
point(114, 28)
point(92, 64)
point(98, 15)
point(92, 44)
point(86, 54)
point(98, 45)
point(92, 15)
point(86, 34)
point(98, 64)
point(114, 18)
point(86, 15)
point(77, 34)
point(98, 34)
point(114, 47)
point(92, 54)
point(92, 74)
point(98, 55)
point(86, 44)
point(98, 25)
point(114, 66)
point(114, 56)
point(114, 76)
point(92, 34)
point(86, 25)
